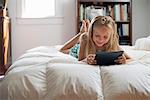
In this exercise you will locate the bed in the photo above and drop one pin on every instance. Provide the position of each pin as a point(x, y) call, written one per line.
point(44, 73)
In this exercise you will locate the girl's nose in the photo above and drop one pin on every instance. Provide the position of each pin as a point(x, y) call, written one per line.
point(101, 39)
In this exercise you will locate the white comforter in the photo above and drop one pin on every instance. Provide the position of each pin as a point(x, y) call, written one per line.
point(44, 73)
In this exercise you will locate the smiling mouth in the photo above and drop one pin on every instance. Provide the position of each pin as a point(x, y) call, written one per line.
point(100, 44)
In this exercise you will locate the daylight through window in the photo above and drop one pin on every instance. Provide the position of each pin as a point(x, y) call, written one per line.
point(38, 8)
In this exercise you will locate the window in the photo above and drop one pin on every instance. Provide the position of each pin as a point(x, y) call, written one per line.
point(36, 8)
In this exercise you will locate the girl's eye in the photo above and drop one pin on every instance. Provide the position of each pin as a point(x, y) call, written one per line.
point(96, 35)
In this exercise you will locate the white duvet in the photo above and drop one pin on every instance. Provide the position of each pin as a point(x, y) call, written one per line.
point(44, 73)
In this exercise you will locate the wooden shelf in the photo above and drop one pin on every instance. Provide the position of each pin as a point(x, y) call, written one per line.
point(5, 44)
point(122, 22)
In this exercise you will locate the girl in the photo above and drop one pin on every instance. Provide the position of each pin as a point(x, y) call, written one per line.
point(100, 35)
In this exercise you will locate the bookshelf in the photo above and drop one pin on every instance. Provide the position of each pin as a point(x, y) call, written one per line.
point(119, 10)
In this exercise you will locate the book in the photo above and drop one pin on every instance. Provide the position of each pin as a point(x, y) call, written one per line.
point(125, 29)
point(117, 12)
point(91, 12)
point(125, 12)
point(81, 12)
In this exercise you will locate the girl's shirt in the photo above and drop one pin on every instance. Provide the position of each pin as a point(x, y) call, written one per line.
point(74, 51)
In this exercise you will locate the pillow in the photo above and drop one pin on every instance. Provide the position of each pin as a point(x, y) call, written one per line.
point(73, 82)
point(142, 44)
point(126, 82)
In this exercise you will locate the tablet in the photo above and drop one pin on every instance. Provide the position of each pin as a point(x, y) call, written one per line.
point(107, 58)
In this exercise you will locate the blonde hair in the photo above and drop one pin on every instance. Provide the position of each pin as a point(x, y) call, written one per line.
point(99, 21)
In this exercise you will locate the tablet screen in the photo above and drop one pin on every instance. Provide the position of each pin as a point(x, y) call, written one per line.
point(107, 58)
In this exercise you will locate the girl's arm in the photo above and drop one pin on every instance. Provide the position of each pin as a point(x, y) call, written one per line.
point(125, 54)
point(89, 59)
point(128, 58)
point(83, 42)
point(70, 43)
point(124, 58)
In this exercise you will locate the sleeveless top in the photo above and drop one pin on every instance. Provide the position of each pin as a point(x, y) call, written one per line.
point(74, 51)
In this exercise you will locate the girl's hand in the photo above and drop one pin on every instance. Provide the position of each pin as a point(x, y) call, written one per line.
point(90, 59)
point(121, 60)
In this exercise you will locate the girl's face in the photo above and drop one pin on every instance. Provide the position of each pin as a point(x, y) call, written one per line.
point(101, 36)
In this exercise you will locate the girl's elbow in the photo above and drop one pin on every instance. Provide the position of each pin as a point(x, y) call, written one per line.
point(61, 50)
point(79, 59)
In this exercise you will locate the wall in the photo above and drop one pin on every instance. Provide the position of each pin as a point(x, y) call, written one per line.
point(140, 18)
point(149, 15)
point(30, 33)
